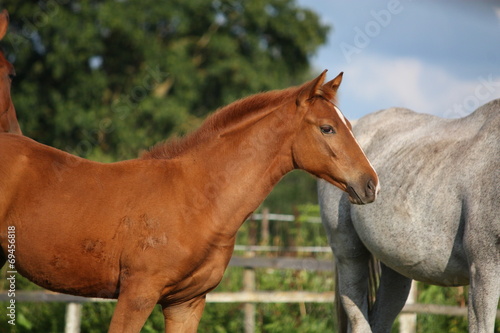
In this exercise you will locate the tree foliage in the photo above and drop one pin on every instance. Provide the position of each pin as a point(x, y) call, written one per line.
point(107, 78)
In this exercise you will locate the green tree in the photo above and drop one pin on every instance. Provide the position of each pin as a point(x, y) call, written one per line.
point(105, 79)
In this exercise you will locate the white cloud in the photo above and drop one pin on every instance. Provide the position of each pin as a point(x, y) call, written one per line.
point(497, 12)
point(411, 83)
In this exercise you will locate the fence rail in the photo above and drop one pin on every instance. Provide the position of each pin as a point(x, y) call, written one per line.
point(282, 218)
point(216, 297)
point(244, 297)
point(274, 248)
point(309, 264)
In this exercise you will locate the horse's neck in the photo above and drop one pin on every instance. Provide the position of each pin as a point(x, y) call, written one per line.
point(8, 121)
point(237, 170)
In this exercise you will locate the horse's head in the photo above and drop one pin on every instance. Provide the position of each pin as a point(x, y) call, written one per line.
point(8, 120)
point(325, 145)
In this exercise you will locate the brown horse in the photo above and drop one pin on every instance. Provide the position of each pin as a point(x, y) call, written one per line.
point(8, 120)
point(161, 229)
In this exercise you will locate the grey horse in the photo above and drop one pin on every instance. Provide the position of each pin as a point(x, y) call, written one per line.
point(437, 218)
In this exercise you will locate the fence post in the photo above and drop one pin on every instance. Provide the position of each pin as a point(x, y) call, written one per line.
point(249, 308)
point(408, 321)
point(264, 227)
point(249, 274)
point(73, 318)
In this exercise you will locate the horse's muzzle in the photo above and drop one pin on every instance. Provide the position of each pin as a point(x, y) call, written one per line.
point(365, 195)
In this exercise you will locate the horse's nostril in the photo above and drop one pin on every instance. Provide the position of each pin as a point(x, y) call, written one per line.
point(370, 186)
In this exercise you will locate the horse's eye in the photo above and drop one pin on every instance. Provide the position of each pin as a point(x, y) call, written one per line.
point(327, 129)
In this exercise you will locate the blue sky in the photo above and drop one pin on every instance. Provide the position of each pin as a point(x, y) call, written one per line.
point(438, 57)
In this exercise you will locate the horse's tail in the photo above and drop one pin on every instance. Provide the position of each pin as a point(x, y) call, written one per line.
point(339, 308)
point(373, 280)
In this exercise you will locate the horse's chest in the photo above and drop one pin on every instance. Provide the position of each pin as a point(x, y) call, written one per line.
point(204, 274)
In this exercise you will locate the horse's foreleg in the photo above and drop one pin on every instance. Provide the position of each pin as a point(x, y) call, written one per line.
point(184, 317)
point(482, 247)
point(484, 293)
point(353, 289)
point(135, 303)
point(391, 297)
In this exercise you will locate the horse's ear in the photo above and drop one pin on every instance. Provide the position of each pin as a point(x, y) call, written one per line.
point(4, 22)
point(311, 89)
point(335, 83)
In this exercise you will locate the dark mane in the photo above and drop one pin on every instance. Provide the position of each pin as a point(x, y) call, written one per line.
point(222, 118)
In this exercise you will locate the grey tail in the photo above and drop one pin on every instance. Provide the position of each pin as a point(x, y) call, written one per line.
point(375, 271)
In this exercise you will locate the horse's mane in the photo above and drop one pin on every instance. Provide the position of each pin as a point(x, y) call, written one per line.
point(6, 63)
point(224, 117)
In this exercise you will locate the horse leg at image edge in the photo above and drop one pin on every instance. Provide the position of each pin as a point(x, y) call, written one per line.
point(184, 317)
point(391, 298)
point(482, 248)
point(484, 294)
